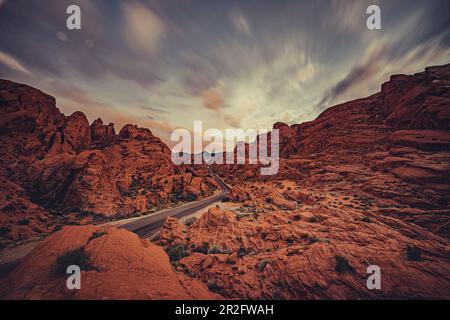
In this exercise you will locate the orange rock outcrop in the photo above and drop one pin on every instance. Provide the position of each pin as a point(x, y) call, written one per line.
point(121, 266)
point(55, 167)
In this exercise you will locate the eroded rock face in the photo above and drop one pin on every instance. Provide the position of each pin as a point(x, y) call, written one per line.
point(101, 132)
point(77, 131)
point(316, 253)
point(393, 145)
point(365, 183)
point(121, 266)
point(62, 165)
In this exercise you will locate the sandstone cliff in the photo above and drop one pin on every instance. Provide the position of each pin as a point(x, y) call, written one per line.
point(55, 167)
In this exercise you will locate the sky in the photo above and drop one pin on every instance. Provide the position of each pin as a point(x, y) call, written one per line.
point(232, 64)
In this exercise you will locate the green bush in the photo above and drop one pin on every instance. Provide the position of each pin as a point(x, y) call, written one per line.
point(4, 231)
point(189, 221)
point(342, 265)
point(24, 222)
point(212, 286)
point(242, 252)
point(177, 252)
point(315, 239)
point(78, 257)
point(366, 219)
point(413, 253)
point(216, 249)
point(202, 248)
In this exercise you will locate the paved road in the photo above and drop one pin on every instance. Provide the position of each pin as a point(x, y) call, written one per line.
point(146, 226)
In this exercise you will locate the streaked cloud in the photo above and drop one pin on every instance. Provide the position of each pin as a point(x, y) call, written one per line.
point(143, 29)
point(12, 63)
point(240, 23)
point(249, 64)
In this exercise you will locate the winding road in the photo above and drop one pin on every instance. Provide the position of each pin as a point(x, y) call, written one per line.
point(144, 226)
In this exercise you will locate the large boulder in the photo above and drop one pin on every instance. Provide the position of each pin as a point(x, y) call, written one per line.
point(117, 265)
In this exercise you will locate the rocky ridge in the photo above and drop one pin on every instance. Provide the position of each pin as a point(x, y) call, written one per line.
point(58, 169)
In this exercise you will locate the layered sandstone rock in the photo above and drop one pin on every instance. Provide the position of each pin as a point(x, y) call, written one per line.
point(393, 145)
point(314, 253)
point(365, 183)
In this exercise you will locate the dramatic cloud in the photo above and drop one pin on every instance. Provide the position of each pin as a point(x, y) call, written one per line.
point(165, 64)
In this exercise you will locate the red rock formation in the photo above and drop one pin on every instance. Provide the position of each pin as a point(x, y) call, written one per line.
point(63, 165)
point(76, 131)
point(120, 266)
point(298, 255)
point(366, 183)
point(394, 144)
point(101, 132)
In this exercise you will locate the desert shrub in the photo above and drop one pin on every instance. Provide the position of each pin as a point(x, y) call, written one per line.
point(320, 240)
point(413, 253)
point(313, 219)
point(217, 249)
point(366, 219)
point(24, 222)
point(57, 228)
point(4, 231)
point(242, 252)
point(189, 221)
point(342, 265)
point(212, 286)
point(97, 217)
point(37, 230)
point(262, 265)
point(78, 257)
point(203, 248)
point(177, 252)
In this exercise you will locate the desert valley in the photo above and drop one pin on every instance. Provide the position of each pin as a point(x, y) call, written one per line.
point(366, 183)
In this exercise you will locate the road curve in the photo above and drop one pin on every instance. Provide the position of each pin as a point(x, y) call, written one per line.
point(146, 226)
